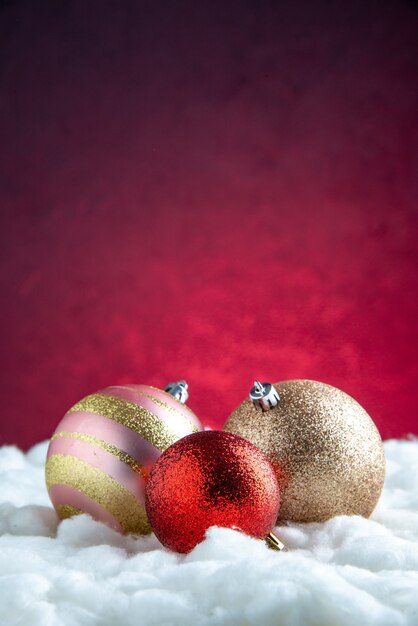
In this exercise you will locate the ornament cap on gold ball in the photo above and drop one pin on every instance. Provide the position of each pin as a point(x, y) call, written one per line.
point(264, 395)
point(178, 390)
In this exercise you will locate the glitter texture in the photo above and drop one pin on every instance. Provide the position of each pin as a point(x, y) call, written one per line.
point(108, 447)
point(101, 453)
point(185, 407)
point(325, 449)
point(92, 482)
point(66, 510)
point(137, 419)
point(206, 479)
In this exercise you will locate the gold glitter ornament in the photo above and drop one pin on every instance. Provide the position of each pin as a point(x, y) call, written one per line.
point(326, 451)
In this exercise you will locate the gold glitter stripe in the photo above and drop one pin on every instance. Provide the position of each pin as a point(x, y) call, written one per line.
point(62, 469)
point(66, 510)
point(161, 403)
point(108, 447)
point(135, 417)
point(172, 409)
point(168, 407)
point(167, 394)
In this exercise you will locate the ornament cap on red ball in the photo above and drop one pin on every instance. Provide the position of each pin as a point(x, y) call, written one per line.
point(211, 478)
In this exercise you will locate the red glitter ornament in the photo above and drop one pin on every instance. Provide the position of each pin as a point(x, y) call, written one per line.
point(211, 478)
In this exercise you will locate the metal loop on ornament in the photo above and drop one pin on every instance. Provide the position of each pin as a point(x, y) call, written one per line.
point(274, 543)
point(264, 395)
point(178, 390)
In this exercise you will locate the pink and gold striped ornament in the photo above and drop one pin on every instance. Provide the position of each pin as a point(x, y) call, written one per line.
point(102, 452)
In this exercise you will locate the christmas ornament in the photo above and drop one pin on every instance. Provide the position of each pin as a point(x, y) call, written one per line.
point(102, 451)
point(211, 478)
point(325, 449)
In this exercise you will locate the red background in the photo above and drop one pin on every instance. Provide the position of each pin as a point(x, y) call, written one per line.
point(214, 191)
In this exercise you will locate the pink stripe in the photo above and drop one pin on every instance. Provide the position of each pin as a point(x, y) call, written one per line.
point(104, 461)
point(120, 436)
point(135, 394)
point(63, 494)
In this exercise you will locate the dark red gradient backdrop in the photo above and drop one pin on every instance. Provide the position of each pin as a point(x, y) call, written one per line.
point(209, 190)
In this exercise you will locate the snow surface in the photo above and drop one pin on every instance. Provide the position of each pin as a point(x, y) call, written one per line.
point(348, 570)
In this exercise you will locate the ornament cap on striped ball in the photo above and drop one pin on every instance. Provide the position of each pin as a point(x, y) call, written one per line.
point(101, 453)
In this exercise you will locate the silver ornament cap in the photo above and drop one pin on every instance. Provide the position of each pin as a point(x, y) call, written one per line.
point(264, 395)
point(178, 390)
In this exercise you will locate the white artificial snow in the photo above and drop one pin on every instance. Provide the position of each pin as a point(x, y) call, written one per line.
point(348, 570)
